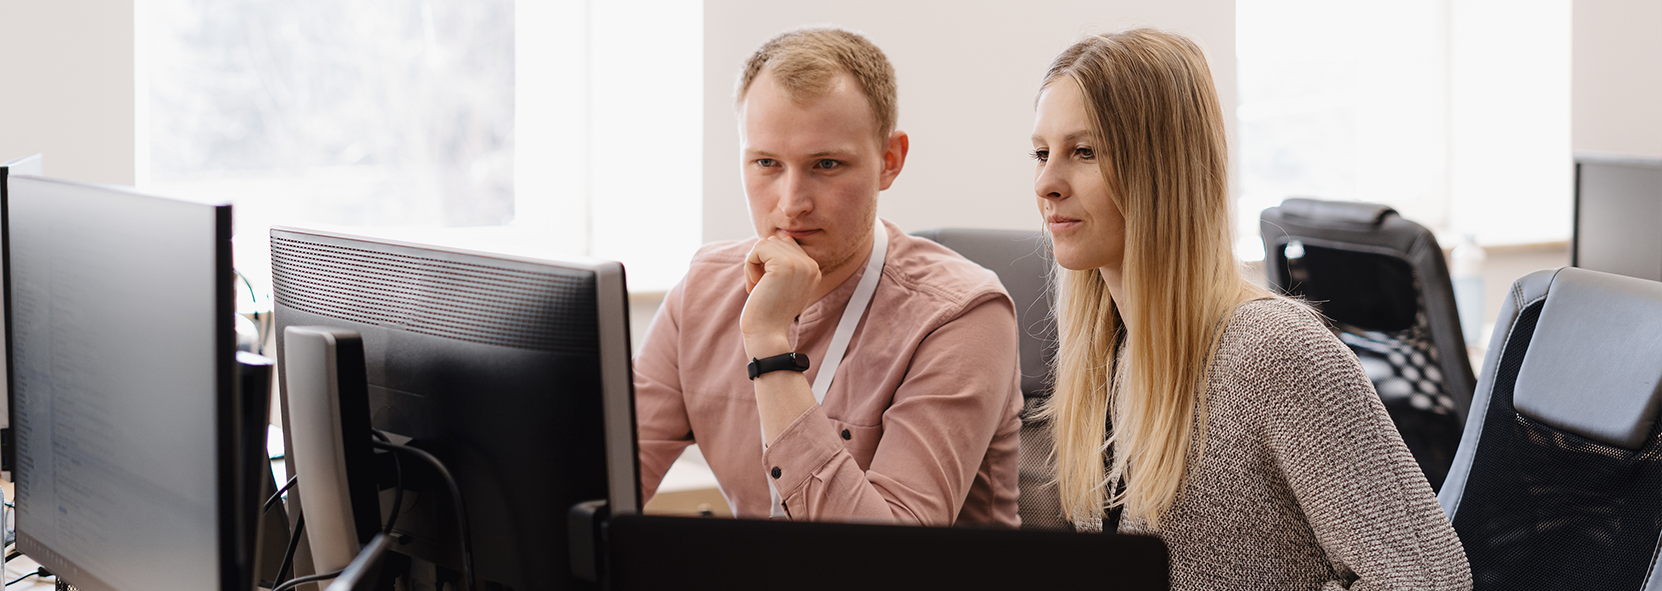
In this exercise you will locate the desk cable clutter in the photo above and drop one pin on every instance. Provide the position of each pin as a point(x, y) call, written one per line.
point(336, 466)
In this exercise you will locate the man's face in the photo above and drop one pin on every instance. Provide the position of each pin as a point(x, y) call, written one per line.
point(812, 169)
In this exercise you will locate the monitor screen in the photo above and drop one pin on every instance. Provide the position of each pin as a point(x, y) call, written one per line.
point(121, 363)
point(512, 371)
point(1618, 216)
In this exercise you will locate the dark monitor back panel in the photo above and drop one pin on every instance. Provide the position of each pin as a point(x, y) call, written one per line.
point(491, 365)
point(658, 552)
point(1618, 216)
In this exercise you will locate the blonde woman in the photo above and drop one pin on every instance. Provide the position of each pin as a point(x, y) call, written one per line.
point(1188, 403)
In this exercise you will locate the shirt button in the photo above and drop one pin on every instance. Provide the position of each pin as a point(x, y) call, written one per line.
point(775, 471)
point(846, 435)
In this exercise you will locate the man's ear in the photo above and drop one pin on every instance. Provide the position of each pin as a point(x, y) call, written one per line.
point(894, 158)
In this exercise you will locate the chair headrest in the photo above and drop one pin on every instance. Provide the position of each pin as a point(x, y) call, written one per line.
point(1354, 212)
point(1594, 364)
point(1022, 261)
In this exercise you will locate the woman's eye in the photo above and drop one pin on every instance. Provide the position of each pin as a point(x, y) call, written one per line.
point(827, 164)
point(1085, 153)
point(1041, 155)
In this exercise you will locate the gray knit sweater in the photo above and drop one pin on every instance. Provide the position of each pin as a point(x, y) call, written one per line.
point(1304, 482)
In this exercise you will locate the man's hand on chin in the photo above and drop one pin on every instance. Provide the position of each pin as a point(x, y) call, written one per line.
point(780, 277)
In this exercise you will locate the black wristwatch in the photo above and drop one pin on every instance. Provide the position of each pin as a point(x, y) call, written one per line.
point(787, 361)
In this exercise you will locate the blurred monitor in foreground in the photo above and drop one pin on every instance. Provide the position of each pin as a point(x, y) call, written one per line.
point(137, 462)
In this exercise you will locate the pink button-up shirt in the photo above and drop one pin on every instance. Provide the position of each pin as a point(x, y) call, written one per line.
point(920, 426)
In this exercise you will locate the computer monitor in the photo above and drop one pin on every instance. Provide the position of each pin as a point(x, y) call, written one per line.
point(1618, 215)
point(138, 453)
point(32, 165)
point(512, 371)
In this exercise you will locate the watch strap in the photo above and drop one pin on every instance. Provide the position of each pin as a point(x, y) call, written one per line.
point(783, 362)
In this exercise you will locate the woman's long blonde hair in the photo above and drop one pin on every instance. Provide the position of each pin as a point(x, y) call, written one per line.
point(1161, 149)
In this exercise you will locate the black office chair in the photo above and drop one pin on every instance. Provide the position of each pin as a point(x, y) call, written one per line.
point(1022, 261)
point(1558, 482)
point(1382, 281)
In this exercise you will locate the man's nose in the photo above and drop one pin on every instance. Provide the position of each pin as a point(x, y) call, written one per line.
point(795, 197)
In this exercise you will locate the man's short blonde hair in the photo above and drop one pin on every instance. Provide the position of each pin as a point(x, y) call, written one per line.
point(805, 61)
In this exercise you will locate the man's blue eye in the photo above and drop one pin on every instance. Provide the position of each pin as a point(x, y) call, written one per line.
point(827, 164)
point(764, 162)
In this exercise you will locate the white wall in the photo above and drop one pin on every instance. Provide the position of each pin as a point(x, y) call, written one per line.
point(1510, 168)
point(67, 86)
point(608, 117)
point(968, 73)
point(1616, 99)
point(644, 145)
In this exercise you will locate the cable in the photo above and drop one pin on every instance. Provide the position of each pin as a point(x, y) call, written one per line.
point(252, 295)
point(294, 542)
point(397, 504)
point(455, 501)
point(278, 495)
point(260, 329)
point(39, 571)
point(4, 527)
point(398, 493)
point(298, 581)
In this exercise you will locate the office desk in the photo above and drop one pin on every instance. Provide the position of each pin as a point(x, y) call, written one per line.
point(689, 489)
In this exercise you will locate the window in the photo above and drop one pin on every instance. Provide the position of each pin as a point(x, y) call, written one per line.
point(365, 114)
point(474, 122)
point(1454, 112)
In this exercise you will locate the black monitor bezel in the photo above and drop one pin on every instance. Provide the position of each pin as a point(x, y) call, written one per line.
point(7, 453)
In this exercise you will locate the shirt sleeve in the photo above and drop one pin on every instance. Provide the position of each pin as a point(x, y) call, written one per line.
point(934, 435)
point(1366, 500)
point(662, 428)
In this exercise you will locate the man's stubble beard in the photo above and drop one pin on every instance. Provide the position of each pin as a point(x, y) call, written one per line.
point(840, 259)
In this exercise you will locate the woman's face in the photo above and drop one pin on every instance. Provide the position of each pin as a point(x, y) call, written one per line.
point(1085, 226)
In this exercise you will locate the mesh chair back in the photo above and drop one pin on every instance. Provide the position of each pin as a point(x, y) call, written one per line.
point(1022, 261)
point(1382, 281)
point(1556, 484)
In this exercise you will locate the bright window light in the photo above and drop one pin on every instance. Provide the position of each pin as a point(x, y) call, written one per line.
point(1446, 110)
point(1342, 101)
point(553, 128)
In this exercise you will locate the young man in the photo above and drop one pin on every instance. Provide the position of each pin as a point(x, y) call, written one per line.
point(918, 423)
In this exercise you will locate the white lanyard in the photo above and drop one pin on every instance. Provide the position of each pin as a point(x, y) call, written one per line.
point(856, 309)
